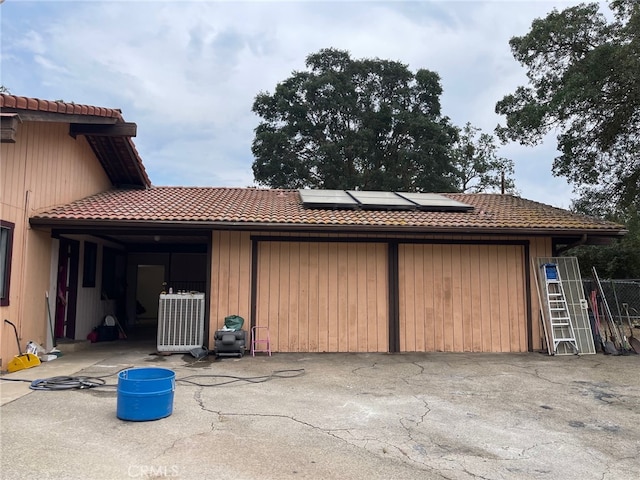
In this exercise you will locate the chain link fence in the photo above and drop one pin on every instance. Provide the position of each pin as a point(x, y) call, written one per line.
point(623, 297)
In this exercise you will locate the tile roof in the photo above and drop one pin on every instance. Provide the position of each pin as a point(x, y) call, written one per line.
point(36, 104)
point(251, 206)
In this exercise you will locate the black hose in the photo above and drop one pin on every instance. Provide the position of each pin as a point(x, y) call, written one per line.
point(275, 374)
point(67, 383)
point(82, 383)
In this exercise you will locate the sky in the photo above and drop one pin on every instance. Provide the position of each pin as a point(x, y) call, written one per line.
point(187, 72)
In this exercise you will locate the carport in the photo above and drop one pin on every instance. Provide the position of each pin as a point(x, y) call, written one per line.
point(120, 270)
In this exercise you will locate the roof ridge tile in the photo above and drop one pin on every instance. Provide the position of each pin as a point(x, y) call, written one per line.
point(31, 103)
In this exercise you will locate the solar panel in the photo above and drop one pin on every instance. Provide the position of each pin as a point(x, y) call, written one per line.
point(433, 201)
point(373, 200)
point(327, 199)
point(381, 200)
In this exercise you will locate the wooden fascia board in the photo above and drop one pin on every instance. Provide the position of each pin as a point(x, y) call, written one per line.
point(8, 127)
point(255, 226)
point(104, 130)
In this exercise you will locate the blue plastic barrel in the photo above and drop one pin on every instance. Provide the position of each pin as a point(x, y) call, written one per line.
point(145, 393)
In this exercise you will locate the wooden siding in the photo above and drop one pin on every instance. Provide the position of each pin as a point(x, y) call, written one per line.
point(53, 166)
point(44, 168)
point(323, 296)
point(539, 247)
point(230, 279)
point(462, 298)
point(231, 289)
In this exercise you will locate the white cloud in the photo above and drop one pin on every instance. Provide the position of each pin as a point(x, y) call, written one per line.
point(187, 72)
point(33, 42)
point(49, 65)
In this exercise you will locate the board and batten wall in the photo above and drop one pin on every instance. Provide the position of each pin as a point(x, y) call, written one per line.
point(308, 312)
point(538, 247)
point(230, 279)
point(45, 167)
point(323, 296)
point(462, 298)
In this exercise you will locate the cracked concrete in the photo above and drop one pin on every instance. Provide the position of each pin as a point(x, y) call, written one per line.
point(349, 416)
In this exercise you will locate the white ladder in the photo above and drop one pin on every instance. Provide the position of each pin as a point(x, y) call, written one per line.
point(557, 309)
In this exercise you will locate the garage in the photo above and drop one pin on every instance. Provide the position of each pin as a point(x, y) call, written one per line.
point(318, 296)
point(323, 296)
point(462, 298)
point(331, 277)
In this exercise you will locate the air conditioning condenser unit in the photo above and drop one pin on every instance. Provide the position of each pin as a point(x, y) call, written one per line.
point(180, 322)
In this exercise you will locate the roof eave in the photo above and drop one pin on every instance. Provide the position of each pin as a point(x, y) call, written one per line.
point(128, 161)
point(308, 227)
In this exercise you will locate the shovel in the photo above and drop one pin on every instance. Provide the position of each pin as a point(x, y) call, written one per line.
point(607, 345)
point(23, 360)
point(633, 341)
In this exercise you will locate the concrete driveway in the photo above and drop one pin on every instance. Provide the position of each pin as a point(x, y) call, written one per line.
point(348, 416)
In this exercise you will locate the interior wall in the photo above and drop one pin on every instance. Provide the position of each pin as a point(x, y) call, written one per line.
point(133, 261)
point(148, 288)
point(91, 306)
point(177, 267)
point(187, 267)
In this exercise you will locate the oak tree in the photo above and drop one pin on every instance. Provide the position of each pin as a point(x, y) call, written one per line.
point(477, 167)
point(347, 123)
point(584, 84)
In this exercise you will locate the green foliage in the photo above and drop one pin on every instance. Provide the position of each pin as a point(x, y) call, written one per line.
point(5, 90)
point(618, 260)
point(584, 82)
point(344, 124)
point(477, 167)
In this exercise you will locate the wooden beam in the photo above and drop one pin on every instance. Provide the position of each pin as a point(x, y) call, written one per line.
point(8, 127)
point(115, 130)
